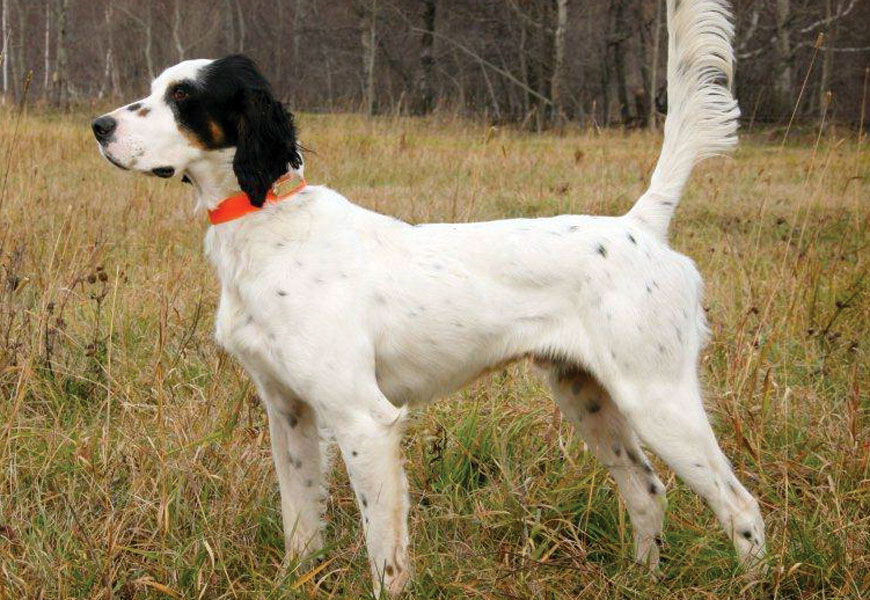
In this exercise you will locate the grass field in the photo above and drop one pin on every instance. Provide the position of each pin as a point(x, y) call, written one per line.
point(134, 459)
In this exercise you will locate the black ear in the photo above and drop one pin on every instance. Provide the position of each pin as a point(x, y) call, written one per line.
point(266, 142)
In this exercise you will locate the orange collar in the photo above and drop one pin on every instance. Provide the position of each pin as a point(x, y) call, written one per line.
point(238, 205)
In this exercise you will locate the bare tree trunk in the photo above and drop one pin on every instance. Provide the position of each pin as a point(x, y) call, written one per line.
point(545, 53)
point(279, 52)
point(298, 18)
point(116, 74)
point(107, 74)
point(369, 48)
point(605, 84)
point(46, 83)
point(558, 59)
point(149, 43)
point(496, 110)
point(60, 74)
point(110, 72)
point(784, 84)
point(327, 61)
point(524, 66)
point(176, 29)
point(618, 39)
point(533, 76)
point(4, 54)
point(20, 71)
point(241, 19)
point(639, 22)
point(229, 24)
point(827, 58)
point(654, 65)
point(426, 95)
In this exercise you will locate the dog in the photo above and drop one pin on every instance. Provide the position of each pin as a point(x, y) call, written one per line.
point(345, 318)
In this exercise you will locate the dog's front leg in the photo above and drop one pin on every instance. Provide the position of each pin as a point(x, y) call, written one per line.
point(368, 431)
point(298, 462)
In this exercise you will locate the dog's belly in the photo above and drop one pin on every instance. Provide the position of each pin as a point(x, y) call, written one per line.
point(410, 383)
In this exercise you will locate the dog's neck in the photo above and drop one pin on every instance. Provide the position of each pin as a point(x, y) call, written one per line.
point(213, 179)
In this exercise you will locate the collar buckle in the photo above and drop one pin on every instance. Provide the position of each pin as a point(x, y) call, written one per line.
point(286, 185)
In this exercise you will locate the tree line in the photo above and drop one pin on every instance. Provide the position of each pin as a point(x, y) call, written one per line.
point(535, 62)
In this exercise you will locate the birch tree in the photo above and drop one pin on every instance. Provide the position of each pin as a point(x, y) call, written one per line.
point(110, 71)
point(558, 58)
point(61, 84)
point(147, 26)
point(784, 82)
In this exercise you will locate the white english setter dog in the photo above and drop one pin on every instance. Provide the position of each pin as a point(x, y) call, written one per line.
point(345, 318)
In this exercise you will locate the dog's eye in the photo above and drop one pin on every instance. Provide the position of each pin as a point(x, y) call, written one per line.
point(179, 94)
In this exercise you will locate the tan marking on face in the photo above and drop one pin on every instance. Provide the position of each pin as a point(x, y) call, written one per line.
point(143, 112)
point(193, 139)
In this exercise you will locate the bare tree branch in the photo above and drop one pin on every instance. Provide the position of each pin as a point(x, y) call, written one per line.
point(839, 15)
point(509, 76)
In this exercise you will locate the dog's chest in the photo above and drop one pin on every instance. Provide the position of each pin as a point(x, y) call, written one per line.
point(236, 329)
point(240, 327)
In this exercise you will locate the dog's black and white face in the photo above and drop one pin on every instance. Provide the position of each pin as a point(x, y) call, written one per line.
point(196, 110)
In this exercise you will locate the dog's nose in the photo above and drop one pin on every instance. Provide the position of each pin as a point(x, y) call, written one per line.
point(103, 127)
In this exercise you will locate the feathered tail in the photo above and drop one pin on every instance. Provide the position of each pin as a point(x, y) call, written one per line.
point(702, 113)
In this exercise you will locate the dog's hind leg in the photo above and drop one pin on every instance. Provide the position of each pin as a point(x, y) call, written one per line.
point(671, 421)
point(296, 452)
point(607, 434)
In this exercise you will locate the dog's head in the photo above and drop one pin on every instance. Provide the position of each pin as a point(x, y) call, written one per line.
point(196, 109)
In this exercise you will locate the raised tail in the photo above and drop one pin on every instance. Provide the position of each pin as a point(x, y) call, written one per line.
point(702, 113)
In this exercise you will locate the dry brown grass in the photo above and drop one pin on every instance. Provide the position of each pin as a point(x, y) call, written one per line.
point(134, 455)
